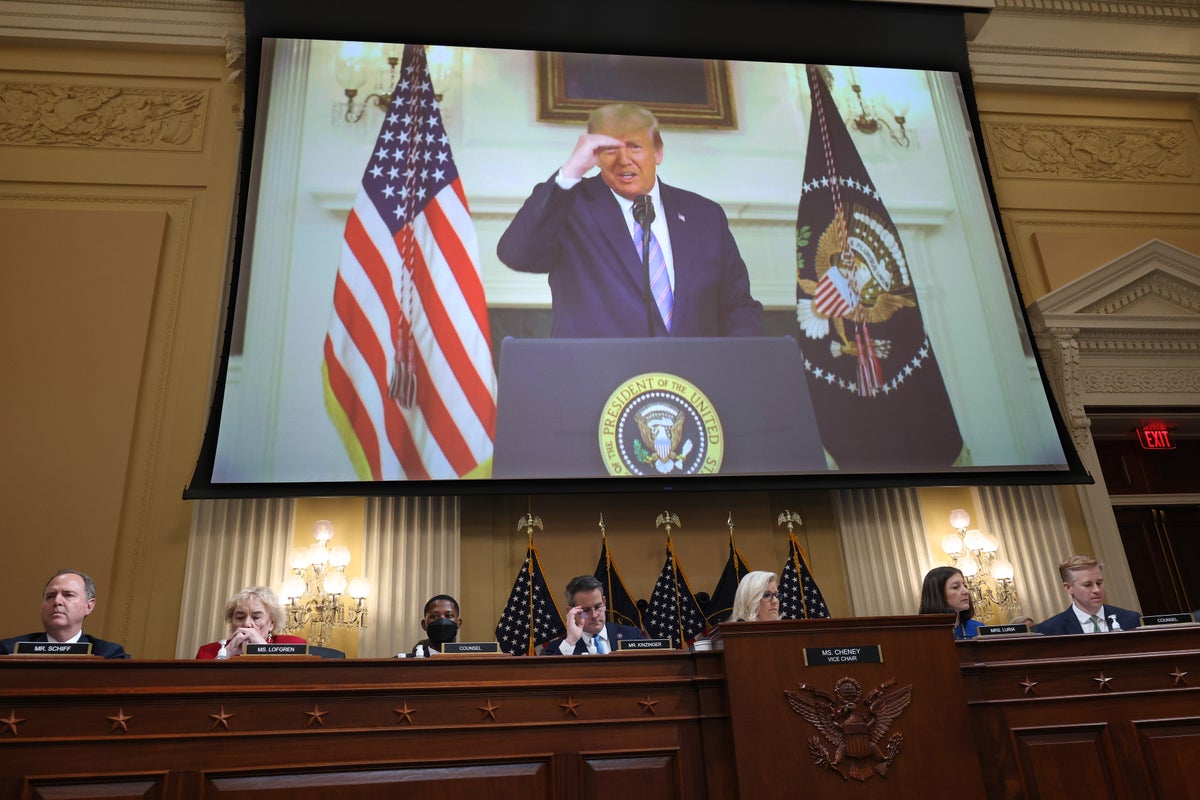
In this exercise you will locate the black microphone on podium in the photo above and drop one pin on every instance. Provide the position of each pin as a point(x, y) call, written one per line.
point(643, 214)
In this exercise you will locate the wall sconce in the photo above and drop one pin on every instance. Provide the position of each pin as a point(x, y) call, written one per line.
point(973, 552)
point(314, 589)
point(865, 118)
point(358, 63)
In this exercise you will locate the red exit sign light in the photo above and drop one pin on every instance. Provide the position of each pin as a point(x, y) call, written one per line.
point(1155, 437)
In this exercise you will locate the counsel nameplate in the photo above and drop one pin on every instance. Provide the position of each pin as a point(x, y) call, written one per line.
point(1167, 619)
point(466, 648)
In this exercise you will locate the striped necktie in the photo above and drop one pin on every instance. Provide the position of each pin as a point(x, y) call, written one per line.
point(660, 282)
point(1095, 623)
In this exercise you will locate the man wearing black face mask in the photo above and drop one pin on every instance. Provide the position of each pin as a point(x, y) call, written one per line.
point(441, 623)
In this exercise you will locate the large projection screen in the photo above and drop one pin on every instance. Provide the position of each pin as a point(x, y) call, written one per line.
point(862, 213)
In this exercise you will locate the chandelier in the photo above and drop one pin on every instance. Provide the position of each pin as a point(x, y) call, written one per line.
point(973, 552)
point(320, 598)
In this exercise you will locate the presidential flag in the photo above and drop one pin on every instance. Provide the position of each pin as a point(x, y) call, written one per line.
point(799, 595)
point(674, 612)
point(531, 616)
point(409, 381)
point(622, 608)
point(876, 387)
point(720, 605)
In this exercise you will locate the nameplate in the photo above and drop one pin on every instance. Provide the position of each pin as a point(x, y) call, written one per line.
point(1000, 630)
point(53, 649)
point(1167, 619)
point(825, 656)
point(276, 649)
point(467, 648)
point(644, 644)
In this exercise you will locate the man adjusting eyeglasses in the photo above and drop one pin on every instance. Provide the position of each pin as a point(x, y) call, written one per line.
point(587, 631)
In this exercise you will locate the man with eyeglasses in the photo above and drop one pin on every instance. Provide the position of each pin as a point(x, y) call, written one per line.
point(587, 632)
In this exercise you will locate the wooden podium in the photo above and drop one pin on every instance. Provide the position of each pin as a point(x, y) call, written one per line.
point(867, 708)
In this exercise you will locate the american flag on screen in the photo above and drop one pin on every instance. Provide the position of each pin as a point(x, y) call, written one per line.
point(531, 617)
point(409, 381)
point(799, 595)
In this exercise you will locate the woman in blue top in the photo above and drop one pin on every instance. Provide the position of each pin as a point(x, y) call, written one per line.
point(945, 591)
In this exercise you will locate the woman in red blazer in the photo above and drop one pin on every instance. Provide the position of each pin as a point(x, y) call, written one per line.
point(253, 614)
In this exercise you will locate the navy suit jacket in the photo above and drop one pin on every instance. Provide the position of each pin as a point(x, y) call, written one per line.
point(1067, 622)
point(579, 237)
point(615, 634)
point(99, 646)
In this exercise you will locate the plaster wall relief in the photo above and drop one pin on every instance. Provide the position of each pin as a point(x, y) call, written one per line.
point(102, 117)
point(1124, 335)
point(1092, 152)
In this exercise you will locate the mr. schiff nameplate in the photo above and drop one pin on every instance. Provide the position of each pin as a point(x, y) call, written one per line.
point(53, 649)
point(660, 424)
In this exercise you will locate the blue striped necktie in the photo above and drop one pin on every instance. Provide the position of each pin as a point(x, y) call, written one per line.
point(660, 283)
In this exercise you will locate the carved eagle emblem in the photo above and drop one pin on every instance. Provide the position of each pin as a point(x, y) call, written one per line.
point(853, 726)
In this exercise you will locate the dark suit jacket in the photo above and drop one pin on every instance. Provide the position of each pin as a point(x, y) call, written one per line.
point(615, 634)
point(597, 282)
point(99, 646)
point(1067, 622)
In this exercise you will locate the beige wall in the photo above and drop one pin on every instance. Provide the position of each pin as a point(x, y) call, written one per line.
point(116, 228)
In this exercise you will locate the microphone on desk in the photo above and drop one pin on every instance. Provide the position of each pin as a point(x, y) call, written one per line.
point(643, 214)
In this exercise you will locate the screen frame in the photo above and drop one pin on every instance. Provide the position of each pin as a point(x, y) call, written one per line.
point(880, 34)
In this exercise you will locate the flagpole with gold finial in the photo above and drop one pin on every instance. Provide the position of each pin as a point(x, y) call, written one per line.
point(529, 522)
point(790, 518)
point(668, 519)
point(607, 570)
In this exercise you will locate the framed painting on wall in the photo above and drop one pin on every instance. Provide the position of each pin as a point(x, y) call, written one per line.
point(687, 92)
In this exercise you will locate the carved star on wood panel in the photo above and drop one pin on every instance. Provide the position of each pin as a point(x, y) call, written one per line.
point(648, 706)
point(1103, 683)
point(1178, 675)
point(11, 722)
point(221, 718)
point(570, 708)
point(121, 720)
point(489, 711)
point(1028, 685)
point(405, 713)
point(316, 715)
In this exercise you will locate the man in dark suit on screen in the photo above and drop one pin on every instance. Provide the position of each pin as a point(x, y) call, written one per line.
point(1083, 580)
point(587, 632)
point(66, 602)
point(587, 235)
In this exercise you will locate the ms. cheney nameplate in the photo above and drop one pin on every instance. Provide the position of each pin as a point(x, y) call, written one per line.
point(276, 649)
point(826, 656)
point(53, 649)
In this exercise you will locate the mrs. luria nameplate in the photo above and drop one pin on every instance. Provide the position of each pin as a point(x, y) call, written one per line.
point(53, 649)
point(276, 649)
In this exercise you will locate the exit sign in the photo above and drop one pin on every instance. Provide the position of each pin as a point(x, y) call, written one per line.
point(1155, 437)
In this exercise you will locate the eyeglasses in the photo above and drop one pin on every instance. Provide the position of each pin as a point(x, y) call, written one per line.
point(771, 595)
point(596, 609)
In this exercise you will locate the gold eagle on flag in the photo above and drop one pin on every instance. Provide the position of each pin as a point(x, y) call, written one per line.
point(865, 280)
